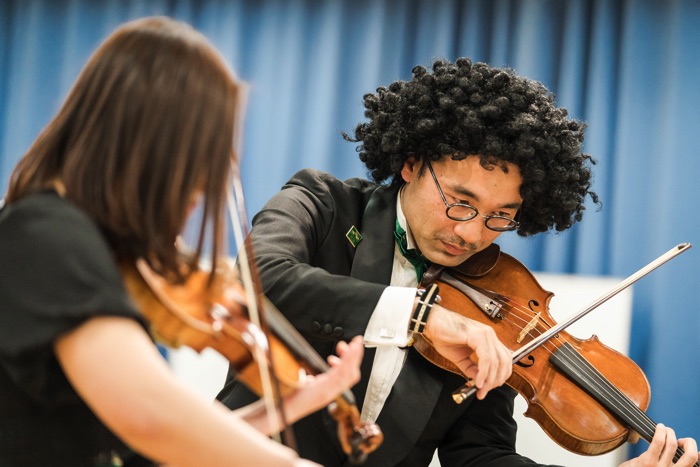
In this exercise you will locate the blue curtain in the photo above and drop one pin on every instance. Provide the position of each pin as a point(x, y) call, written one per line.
point(628, 68)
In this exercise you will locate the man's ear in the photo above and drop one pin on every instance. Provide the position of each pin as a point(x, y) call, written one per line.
point(410, 169)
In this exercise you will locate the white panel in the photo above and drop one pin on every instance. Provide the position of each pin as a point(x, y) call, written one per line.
point(206, 372)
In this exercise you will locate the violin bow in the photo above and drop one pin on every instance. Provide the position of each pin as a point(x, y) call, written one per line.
point(468, 389)
point(251, 285)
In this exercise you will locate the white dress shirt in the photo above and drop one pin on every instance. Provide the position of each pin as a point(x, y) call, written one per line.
point(387, 329)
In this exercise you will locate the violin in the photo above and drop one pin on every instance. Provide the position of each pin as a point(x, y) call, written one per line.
point(209, 310)
point(586, 396)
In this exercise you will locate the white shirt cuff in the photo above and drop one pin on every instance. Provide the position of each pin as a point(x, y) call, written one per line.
point(389, 322)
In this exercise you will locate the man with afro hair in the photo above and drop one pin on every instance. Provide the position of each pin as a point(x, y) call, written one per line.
point(458, 155)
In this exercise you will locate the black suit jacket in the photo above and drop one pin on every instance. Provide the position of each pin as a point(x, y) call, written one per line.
point(328, 288)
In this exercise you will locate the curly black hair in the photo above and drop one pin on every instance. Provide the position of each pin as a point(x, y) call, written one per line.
point(462, 109)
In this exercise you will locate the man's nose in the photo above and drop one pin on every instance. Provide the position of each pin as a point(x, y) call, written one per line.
point(471, 231)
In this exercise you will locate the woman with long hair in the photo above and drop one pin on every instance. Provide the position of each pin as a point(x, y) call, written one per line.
point(147, 132)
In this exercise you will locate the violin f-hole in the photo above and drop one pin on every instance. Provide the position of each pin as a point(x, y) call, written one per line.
point(522, 364)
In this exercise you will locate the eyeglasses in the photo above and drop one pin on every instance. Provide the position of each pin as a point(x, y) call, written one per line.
point(467, 212)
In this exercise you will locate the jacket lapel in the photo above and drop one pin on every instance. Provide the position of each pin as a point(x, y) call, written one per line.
point(375, 253)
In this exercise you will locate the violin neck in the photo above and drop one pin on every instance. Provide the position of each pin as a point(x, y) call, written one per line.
point(299, 346)
point(572, 364)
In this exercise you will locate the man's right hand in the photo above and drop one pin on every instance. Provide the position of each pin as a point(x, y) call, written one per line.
point(472, 346)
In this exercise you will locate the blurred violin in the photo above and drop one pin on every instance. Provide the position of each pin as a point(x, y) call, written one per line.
point(199, 314)
point(586, 396)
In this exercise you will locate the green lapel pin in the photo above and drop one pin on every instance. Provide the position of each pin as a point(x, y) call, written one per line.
point(353, 236)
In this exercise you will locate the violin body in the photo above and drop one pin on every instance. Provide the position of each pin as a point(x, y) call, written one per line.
point(210, 311)
point(565, 411)
point(200, 315)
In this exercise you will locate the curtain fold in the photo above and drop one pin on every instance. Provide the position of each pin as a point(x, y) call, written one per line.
point(629, 68)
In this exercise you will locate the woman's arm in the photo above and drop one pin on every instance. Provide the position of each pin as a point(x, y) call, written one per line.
point(114, 366)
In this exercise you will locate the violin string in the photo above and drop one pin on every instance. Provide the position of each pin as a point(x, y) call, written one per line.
point(504, 300)
point(516, 310)
point(524, 309)
point(643, 424)
point(610, 392)
point(613, 394)
point(519, 310)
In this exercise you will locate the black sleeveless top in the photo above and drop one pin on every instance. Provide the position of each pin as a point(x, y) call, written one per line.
point(56, 272)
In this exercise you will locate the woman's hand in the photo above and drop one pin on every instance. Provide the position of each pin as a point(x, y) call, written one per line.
point(662, 449)
point(323, 388)
point(318, 391)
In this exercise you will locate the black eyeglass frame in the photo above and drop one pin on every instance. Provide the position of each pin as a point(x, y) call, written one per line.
point(514, 224)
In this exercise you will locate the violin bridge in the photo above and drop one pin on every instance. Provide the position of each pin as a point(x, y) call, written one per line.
point(529, 327)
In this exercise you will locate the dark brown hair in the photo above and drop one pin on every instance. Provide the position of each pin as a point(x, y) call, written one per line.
point(147, 126)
